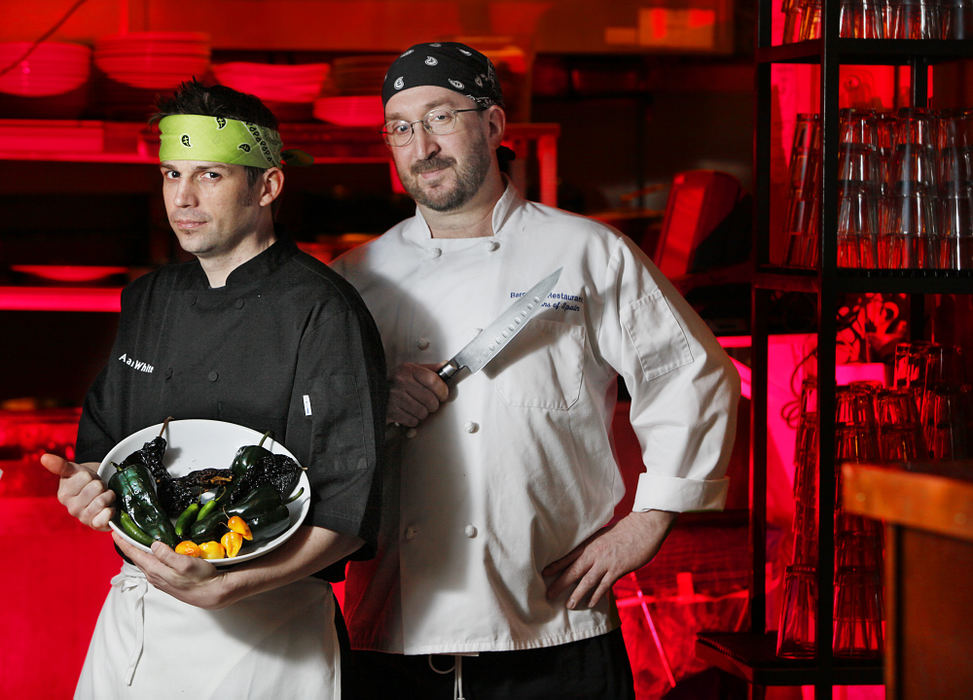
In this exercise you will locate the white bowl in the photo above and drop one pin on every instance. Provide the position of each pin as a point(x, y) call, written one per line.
point(200, 444)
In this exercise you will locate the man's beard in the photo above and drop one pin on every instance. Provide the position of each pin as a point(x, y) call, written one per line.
point(468, 180)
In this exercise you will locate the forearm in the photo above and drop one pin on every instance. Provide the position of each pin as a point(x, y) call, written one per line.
point(650, 528)
point(593, 567)
point(309, 550)
point(197, 582)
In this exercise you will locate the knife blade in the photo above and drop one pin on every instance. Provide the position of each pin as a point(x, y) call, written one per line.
point(491, 340)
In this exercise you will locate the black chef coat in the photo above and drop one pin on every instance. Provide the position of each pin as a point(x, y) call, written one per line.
point(286, 345)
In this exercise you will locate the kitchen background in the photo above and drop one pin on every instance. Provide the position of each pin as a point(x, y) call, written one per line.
point(613, 107)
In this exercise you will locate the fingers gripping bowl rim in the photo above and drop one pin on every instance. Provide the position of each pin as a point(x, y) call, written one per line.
point(197, 443)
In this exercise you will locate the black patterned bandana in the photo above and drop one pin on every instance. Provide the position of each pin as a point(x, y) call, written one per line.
point(445, 64)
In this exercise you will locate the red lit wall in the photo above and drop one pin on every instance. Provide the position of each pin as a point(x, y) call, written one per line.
point(567, 26)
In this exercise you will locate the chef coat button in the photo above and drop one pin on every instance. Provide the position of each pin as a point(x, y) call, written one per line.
point(470, 531)
point(435, 252)
point(422, 343)
point(168, 372)
point(411, 532)
point(213, 376)
point(238, 303)
point(492, 245)
point(471, 427)
point(410, 433)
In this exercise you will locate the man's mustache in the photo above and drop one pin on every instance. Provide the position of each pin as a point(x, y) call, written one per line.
point(434, 163)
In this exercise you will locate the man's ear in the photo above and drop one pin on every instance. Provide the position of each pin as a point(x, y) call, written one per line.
point(496, 120)
point(271, 185)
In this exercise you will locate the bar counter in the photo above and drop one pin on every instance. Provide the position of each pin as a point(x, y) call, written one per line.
point(928, 512)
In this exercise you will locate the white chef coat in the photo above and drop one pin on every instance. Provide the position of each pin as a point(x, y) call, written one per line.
point(518, 467)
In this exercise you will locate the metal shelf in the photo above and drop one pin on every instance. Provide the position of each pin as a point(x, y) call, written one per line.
point(753, 657)
point(868, 51)
point(846, 280)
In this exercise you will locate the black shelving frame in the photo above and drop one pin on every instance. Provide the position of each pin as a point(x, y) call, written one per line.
point(751, 655)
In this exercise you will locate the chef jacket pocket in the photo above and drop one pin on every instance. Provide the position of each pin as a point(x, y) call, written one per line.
point(543, 366)
point(659, 341)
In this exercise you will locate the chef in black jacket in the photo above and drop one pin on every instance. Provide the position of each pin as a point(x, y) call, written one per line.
point(254, 332)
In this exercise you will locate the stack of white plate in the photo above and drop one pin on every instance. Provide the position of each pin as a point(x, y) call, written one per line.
point(50, 82)
point(355, 95)
point(133, 69)
point(153, 60)
point(360, 75)
point(289, 90)
point(350, 110)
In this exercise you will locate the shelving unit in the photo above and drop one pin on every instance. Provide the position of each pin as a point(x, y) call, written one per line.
point(751, 655)
point(133, 142)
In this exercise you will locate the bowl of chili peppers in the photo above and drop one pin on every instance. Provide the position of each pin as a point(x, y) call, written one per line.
point(207, 488)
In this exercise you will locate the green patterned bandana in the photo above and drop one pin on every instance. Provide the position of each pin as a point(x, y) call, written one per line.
point(218, 140)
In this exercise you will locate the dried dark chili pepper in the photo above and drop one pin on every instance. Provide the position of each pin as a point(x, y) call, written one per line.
point(151, 456)
point(179, 493)
point(281, 472)
point(276, 470)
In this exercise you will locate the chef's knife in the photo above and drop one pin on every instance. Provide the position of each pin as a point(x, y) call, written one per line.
point(491, 340)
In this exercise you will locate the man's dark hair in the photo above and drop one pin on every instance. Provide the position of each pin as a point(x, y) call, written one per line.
point(192, 97)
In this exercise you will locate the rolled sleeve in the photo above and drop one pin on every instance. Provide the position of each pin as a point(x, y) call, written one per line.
point(655, 492)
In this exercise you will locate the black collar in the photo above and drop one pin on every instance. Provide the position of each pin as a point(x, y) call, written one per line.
point(253, 270)
point(264, 264)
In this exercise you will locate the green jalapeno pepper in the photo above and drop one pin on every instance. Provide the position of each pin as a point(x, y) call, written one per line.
point(269, 524)
point(214, 503)
point(135, 488)
point(248, 455)
point(132, 530)
point(186, 519)
point(262, 506)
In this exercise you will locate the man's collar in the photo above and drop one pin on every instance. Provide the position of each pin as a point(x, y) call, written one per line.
point(509, 201)
point(264, 263)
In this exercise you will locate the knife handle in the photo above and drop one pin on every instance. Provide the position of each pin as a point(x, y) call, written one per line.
point(447, 371)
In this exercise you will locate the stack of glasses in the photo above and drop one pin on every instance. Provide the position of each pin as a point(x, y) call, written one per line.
point(905, 198)
point(881, 19)
point(858, 541)
point(858, 608)
point(934, 376)
point(797, 629)
point(803, 222)
point(925, 415)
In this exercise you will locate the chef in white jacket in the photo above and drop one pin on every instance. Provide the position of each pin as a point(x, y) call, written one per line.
point(496, 561)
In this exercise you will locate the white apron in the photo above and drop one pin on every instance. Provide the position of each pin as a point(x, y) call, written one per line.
point(148, 645)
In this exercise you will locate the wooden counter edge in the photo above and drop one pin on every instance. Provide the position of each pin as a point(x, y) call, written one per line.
point(920, 499)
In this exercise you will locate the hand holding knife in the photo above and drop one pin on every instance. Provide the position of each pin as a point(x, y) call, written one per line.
point(491, 340)
point(413, 395)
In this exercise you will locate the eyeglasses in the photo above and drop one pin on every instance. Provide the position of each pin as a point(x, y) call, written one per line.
point(439, 122)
